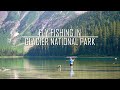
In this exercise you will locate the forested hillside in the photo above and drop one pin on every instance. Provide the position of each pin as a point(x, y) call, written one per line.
point(104, 24)
point(15, 24)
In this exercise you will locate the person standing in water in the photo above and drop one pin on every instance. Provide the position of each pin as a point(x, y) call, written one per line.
point(71, 61)
point(71, 67)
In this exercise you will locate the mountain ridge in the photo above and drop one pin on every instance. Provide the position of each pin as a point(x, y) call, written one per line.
point(20, 23)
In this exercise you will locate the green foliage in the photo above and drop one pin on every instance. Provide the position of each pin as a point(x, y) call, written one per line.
point(3, 39)
point(104, 24)
point(7, 49)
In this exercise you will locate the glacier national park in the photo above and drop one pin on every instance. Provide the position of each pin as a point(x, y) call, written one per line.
point(59, 44)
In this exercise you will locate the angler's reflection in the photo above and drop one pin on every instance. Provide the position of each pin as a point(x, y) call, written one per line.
point(15, 73)
point(71, 71)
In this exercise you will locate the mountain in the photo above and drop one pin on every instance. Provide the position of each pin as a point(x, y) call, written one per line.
point(15, 24)
point(104, 24)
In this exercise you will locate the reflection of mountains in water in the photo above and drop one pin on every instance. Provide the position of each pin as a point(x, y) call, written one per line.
point(51, 65)
point(67, 68)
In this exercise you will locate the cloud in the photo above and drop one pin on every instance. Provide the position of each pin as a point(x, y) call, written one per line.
point(79, 12)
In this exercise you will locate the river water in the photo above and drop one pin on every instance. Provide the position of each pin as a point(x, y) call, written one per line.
point(47, 68)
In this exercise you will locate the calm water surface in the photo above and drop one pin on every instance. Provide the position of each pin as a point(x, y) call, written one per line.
point(47, 68)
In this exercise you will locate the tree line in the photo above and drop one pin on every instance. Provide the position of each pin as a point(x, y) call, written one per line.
point(104, 24)
point(9, 52)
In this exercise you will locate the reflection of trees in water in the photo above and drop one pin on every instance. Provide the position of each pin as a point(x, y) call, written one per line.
point(47, 63)
point(27, 65)
point(11, 62)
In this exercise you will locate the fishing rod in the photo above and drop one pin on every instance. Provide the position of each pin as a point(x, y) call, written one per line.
point(73, 57)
